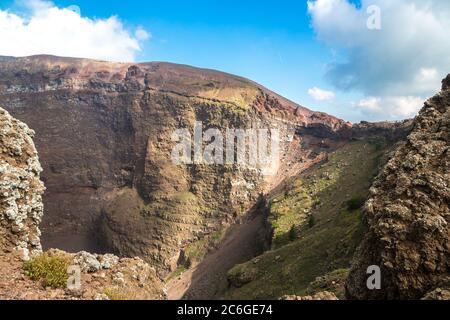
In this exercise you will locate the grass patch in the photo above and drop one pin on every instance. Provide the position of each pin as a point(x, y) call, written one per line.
point(288, 210)
point(50, 270)
point(185, 197)
point(293, 234)
point(328, 232)
point(311, 221)
point(292, 268)
point(355, 203)
point(178, 272)
point(332, 282)
point(196, 251)
point(117, 294)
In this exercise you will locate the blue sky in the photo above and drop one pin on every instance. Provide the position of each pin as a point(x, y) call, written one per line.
point(284, 45)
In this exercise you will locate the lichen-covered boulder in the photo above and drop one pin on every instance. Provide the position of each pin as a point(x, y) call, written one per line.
point(21, 189)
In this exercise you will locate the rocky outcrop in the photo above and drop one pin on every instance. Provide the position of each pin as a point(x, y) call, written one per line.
point(392, 131)
point(21, 189)
point(103, 132)
point(407, 215)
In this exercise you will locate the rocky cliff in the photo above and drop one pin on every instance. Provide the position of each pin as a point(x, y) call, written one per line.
point(28, 273)
point(103, 132)
point(21, 189)
point(407, 216)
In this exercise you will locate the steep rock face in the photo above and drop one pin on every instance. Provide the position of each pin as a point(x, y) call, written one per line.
point(21, 190)
point(21, 211)
point(407, 215)
point(103, 131)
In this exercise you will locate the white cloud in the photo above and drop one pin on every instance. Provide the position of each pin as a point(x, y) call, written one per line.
point(371, 104)
point(141, 34)
point(64, 32)
point(321, 95)
point(407, 58)
point(391, 107)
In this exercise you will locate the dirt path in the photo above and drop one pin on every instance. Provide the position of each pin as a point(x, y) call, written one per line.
point(208, 280)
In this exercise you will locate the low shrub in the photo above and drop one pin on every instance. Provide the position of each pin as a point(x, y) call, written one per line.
point(311, 221)
point(355, 203)
point(116, 294)
point(292, 234)
point(50, 270)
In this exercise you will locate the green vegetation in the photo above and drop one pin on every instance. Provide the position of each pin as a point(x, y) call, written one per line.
point(311, 221)
point(328, 231)
point(118, 294)
point(355, 203)
point(185, 197)
point(302, 195)
point(196, 251)
point(288, 210)
point(292, 234)
point(178, 272)
point(332, 282)
point(50, 270)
